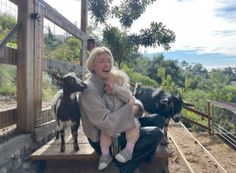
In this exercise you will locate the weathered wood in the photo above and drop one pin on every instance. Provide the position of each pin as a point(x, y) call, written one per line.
point(8, 56)
point(84, 15)
point(25, 71)
point(51, 14)
point(85, 160)
point(37, 63)
point(51, 151)
point(196, 111)
point(7, 117)
point(84, 23)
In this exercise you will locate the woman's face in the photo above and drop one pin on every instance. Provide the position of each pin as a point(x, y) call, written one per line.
point(102, 65)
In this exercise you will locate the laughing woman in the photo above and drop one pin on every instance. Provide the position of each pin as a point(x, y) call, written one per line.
point(96, 116)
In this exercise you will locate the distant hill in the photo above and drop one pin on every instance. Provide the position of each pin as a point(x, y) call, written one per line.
point(208, 60)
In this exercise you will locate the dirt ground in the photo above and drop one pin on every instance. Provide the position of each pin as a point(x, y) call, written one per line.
point(224, 154)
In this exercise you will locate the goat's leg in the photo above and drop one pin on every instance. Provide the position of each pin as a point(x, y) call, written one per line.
point(57, 134)
point(74, 132)
point(57, 129)
point(165, 139)
point(62, 132)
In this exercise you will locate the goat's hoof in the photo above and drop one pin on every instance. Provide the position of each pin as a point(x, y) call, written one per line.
point(63, 149)
point(76, 148)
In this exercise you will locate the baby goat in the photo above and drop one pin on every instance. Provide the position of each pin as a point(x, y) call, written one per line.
point(66, 107)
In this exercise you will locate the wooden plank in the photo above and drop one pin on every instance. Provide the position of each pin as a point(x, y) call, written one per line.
point(8, 56)
point(73, 166)
point(7, 118)
point(51, 151)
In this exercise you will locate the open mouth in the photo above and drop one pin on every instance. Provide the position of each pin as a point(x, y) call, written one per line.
point(106, 70)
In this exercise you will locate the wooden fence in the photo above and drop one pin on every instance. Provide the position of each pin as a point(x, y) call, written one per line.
point(202, 115)
point(29, 61)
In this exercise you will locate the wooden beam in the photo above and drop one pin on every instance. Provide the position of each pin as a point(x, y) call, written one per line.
point(84, 15)
point(84, 23)
point(37, 63)
point(54, 16)
point(196, 111)
point(25, 71)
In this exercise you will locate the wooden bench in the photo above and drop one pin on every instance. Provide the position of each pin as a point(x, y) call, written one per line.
point(85, 160)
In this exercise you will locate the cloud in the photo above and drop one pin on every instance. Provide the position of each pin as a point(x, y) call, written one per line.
point(226, 10)
point(206, 26)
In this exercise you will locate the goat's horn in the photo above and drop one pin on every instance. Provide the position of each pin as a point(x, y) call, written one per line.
point(59, 78)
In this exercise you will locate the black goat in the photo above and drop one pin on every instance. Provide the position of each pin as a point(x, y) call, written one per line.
point(66, 107)
point(157, 101)
point(160, 102)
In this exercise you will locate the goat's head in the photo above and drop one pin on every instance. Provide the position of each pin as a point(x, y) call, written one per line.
point(173, 106)
point(71, 83)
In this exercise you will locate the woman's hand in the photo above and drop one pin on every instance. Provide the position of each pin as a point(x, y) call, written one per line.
point(135, 109)
point(108, 87)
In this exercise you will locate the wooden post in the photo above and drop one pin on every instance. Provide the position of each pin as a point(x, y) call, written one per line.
point(25, 71)
point(38, 55)
point(209, 116)
point(84, 23)
point(84, 15)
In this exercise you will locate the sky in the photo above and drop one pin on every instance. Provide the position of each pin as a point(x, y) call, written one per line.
point(205, 29)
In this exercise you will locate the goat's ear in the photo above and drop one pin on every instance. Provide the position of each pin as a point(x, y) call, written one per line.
point(59, 78)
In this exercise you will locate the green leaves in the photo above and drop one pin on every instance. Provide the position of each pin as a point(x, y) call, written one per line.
point(100, 9)
point(156, 35)
point(119, 43)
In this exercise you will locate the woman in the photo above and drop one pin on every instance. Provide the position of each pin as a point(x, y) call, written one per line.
point(96, 116)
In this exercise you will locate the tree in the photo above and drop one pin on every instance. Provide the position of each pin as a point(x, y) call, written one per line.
point(127, 12)
point(7, 72)
point(119, 43)
point(69, 50)
point(7, 22)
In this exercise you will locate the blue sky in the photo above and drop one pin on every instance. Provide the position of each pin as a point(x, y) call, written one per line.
point(205, 29)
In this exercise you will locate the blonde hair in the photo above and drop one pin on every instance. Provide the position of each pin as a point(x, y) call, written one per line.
point(93, 55)
point(119, 77)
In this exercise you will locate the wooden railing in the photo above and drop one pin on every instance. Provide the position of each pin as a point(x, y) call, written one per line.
point(202, 115)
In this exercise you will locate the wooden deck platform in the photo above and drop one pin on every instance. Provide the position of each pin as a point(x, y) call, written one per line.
point(85, 160)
